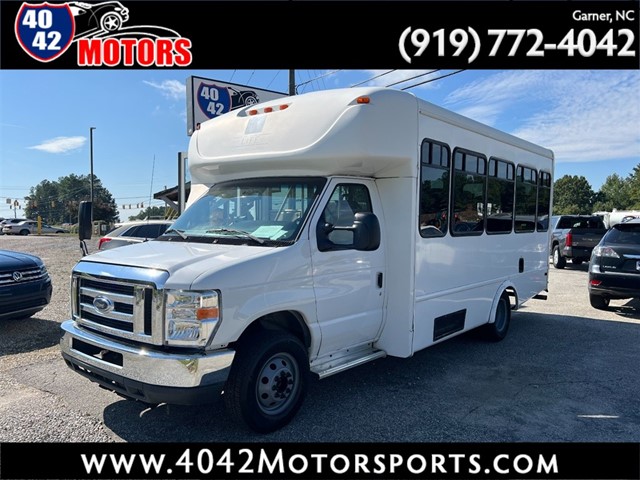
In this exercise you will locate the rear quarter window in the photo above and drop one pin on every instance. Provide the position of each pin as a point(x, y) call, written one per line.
point(624, 234)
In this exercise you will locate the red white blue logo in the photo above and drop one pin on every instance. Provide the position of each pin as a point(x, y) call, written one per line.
point(103, 34)
point(213, 99)
point(45, 31)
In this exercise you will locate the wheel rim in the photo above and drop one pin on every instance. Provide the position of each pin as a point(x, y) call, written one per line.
point(555, 255)
point(277, 384)
point(111, 23)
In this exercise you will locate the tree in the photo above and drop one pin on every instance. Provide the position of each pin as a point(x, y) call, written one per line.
point(572, 195)
point(152, 212)
point(58, 202)
point(633, 188)
point(614, 193)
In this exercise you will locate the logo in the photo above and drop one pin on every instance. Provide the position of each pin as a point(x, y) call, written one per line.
point(17, 276)
point(45, 31)
point(103, 34)
point(103, 304)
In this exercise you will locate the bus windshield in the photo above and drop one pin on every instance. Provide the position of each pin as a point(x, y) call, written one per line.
point(263, 211)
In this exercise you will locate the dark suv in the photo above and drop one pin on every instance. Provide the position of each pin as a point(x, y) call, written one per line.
point(25, 285)
point(614, 271)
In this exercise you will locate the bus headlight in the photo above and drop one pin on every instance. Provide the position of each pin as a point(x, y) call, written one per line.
point(191, 317)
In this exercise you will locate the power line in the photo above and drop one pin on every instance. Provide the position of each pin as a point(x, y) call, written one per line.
point(373, 78)
point(414, 77)
point(321, 76)
point(433, 79)
point(276, 75)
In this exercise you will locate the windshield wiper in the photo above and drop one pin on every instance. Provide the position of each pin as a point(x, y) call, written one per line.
point(179, 232)
point(237, 232)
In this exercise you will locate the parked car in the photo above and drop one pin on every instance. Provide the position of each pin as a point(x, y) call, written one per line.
point(25, 285)
point(30, 227)
point(614, 272)
point(133, 232)
point(10, 221)
point(573, 237)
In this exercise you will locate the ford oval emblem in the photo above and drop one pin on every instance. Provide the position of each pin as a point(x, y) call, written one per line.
point(103, 304)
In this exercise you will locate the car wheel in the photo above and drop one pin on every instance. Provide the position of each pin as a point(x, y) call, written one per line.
point(24, 232)
point(599, 302)
point(558, 260)
point(250, 101)
point(497, 330)
point(268, 380)
point(111, 22)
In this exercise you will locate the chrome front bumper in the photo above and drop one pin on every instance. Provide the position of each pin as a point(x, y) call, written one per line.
point(144, 373)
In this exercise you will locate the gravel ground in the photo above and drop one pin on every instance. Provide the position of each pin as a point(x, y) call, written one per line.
point(33, 341)
point(59, 253)
point(566, 373)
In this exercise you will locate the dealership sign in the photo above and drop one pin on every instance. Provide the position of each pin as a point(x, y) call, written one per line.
point(207, 99)
point(103, 34)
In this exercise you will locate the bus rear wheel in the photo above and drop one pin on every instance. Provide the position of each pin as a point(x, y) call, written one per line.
point(497, 330)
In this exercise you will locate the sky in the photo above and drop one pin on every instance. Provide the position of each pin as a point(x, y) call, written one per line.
point(589, 118)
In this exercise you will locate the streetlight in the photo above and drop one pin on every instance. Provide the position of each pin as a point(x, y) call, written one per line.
point(91, 129)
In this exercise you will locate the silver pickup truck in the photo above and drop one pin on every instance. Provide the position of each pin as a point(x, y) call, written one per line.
point(574, 237)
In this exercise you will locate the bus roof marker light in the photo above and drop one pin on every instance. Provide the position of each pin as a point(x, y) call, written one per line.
point(361, 100)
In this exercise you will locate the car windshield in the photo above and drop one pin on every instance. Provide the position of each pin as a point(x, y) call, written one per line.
point(263, 211)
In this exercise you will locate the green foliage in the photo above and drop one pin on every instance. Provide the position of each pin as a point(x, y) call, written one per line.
point(58, 202)
point(152, 212)
point(614, 193)
point(572, 195)
point(633, 186)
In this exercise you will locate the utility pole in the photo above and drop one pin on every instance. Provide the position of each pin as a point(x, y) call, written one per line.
point(292, 82)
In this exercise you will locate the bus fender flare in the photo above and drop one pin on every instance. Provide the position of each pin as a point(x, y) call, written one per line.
point(510, 289)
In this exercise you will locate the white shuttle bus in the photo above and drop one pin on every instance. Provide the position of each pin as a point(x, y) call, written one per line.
point(322, 231)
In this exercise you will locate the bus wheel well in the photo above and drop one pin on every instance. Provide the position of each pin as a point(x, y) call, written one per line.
point(288, 321)
point(513, 297)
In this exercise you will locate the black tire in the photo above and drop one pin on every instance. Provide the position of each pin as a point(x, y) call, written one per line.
point(558, 260)
point(24, 232)
point(599, 302)
point(497, 330)
point(268, 380)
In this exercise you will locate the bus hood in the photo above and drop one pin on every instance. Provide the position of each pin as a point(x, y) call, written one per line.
point(185, 262)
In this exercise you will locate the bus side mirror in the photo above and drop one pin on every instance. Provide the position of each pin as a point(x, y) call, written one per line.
point(366, 231)
point(84, 221)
